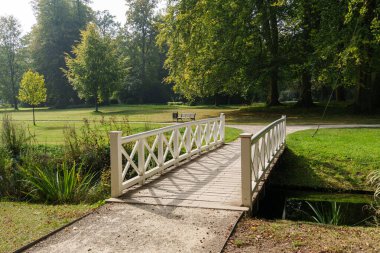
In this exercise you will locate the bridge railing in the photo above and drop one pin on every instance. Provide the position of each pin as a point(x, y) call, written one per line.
point(138, 157)
point(259, 154)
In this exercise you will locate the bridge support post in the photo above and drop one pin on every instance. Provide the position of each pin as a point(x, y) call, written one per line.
point(116, 164)
point(246, 170)
point(222, 126)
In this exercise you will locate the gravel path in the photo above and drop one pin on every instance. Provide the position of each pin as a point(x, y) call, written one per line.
point(144, 228)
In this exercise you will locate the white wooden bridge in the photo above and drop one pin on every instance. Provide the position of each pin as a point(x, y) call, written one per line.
point(189, 165)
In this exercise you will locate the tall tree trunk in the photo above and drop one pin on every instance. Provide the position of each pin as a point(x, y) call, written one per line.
point(306, 99)
point(34, 118)
point(366, 88)
point(96, 104)
point(340, 94)
point(270, 32)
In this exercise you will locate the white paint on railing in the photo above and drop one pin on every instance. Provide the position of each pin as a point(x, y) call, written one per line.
point(259, 153)
point(154, 151)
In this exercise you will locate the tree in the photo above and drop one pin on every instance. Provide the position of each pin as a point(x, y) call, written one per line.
point(223, 47)
point(32, 90)
point(138, 43)
point(58, 27)
point(10, 47)
point(95, 69)
point(106, 23)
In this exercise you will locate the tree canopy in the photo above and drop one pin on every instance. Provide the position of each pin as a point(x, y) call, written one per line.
point(95, 70)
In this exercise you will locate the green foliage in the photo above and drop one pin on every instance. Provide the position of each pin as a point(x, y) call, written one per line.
point(10, 58)
point(89, 145)
point(14, 137)
point(137, 42)
point(32, 88)
point(326, 215)
point(57, 29)
point(62, 184)
point(96, 69)
point(211, 46)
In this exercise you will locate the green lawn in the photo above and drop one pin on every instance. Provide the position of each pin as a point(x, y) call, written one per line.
point(22, 223)
point(254, 114)
point(135, 113)
point(335, 159)
point(337, 113)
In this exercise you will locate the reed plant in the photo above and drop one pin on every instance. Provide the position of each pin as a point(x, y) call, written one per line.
point(59, 185)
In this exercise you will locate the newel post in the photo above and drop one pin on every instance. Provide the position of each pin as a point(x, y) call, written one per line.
point(116, 163)
point(222, 126)
point(246, 170)
point(284, 130)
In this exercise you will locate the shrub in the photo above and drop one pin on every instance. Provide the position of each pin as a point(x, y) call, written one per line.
point(89, 145)
point(8, 178)
point(14, 138)
point(374, 180)
point(62, 184)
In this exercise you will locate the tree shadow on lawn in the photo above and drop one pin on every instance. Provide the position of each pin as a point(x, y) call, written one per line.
point(301, 172)
point(336, 113)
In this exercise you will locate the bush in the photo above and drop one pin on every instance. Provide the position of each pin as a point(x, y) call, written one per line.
point(374, 180)
point(90, 146)
point(14, 138)
point(8, 178)
point(59, 185)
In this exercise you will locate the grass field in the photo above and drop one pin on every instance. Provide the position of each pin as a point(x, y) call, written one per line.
point(22, 223)
point(253, 114)
point(335, 159)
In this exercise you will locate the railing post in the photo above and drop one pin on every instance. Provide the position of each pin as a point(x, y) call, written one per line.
point(207, 137)
point(175, 144)
point(141, 161)
point(222, 126)
point(199, 137)
point(160, 150)
point(116, 163)
point(283, 139)
point(246, 170)
point(188, 139)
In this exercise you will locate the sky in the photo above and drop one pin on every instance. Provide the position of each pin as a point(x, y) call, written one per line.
point(22, 10)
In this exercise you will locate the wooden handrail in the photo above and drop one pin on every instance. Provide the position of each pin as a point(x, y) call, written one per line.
point(259, 154)
point(166, 147)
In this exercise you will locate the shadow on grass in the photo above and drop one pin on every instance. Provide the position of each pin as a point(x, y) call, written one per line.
point(301, 172)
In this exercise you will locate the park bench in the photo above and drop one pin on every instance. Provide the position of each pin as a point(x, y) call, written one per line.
point(183, 116)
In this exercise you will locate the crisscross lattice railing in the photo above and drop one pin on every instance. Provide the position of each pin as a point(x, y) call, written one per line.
point(259, 154)
point(138, 157)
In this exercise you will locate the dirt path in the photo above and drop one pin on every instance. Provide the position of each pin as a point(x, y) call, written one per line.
point(144, 228)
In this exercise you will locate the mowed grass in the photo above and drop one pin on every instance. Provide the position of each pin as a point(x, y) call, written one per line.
point(22, 223)
point(258, 113)
point(336, 113)
point(51, 133)
point(335, 159)
point(134, 113)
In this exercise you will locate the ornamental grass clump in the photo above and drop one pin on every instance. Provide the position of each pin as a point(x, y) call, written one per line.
point(59, 185)
point(325, 215)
